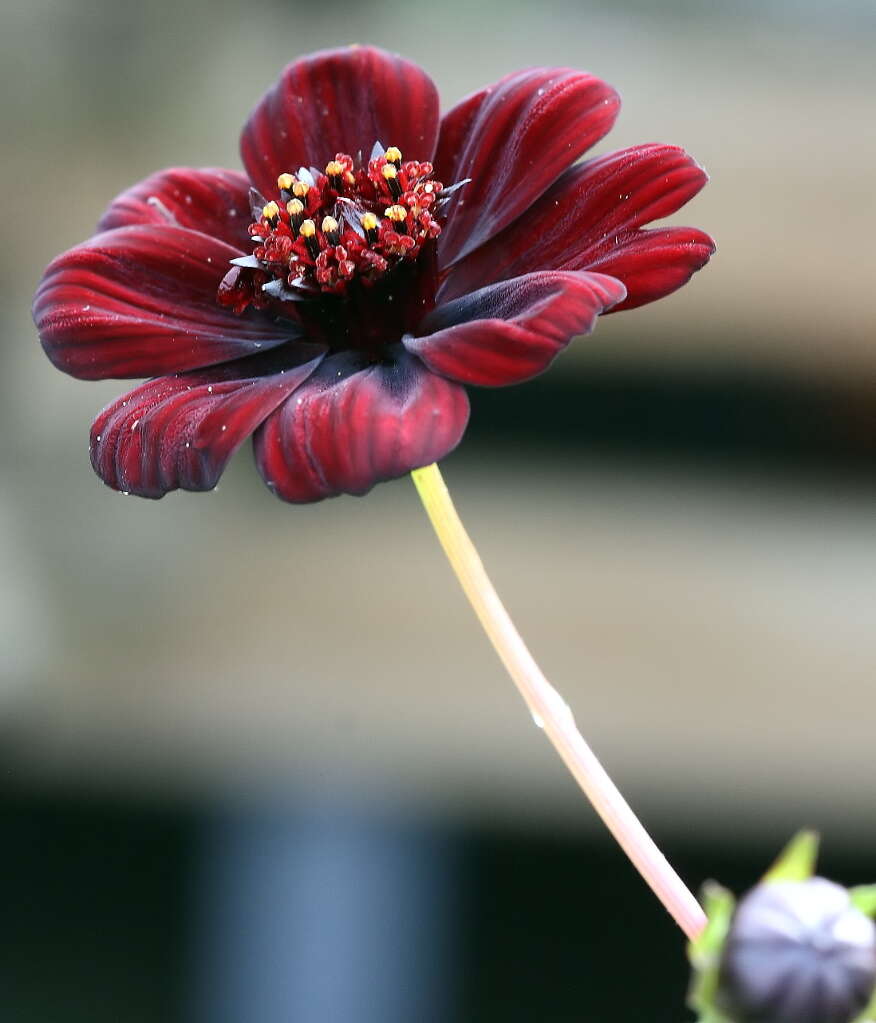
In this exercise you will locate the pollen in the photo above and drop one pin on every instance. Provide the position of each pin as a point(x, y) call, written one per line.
point(311, 242)
point(336, 173)
point(370, 225)
point(331, 230)
point(390, 176)
point(328, 233)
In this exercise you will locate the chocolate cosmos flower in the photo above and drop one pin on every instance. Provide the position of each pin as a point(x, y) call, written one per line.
point(335, 299)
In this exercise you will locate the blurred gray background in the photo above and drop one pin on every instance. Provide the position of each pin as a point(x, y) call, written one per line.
point(680, 517)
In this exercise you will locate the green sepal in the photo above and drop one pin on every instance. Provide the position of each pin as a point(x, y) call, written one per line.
point(864, 898)
point(796, 862)
point(869, 1014)
point(705, 950)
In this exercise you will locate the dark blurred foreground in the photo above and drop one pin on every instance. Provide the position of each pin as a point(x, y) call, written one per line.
point(115, 911)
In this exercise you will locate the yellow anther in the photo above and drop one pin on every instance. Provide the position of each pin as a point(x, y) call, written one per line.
point(397, 214)
point(285, 182)
point(307, 229)
point(270, 211)
point(369, 222)
point(393, 155)
point(295, 207)
point(329, 225)
point(334, 169)
point(300, 189)
point(390, 176)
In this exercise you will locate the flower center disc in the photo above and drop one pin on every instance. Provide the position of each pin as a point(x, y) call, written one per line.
point(349, 232)
point(328, 229)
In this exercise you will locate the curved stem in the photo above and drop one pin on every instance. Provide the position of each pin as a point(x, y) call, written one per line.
point(550, 711)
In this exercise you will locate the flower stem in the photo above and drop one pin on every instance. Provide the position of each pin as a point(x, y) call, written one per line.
point(550, 711)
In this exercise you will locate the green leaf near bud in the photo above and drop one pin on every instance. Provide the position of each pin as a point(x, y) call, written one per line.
point(864, 898)
point(796, 862)
point(705, 951)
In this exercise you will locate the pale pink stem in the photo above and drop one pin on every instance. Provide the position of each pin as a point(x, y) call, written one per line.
point(550, 712)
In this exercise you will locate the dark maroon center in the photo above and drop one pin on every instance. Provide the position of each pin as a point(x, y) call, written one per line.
point(346, 255)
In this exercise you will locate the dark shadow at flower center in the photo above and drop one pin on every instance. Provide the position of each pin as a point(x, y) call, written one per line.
point(346, 256)
point(369, 318)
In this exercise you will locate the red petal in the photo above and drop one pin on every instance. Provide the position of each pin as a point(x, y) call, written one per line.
point(180, 431)
point(141, 301)
point(339, 101)
point(587, 213)
point(354, 424)
point(206, 199)
point(512, 331)
point(653, 264)
point(514, 139)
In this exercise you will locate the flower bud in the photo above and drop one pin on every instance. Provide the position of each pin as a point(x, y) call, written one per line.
point(797, 952)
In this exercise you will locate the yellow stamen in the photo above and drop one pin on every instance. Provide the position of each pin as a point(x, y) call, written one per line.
point(397, 214)
point(369, 222)
point(390, 176)
point(300, 189)
point(393, 155)
point(295, 207)
point(285, 182)
point(329, 225)
point(270, 211)
point(308, 232)
point(334, 169)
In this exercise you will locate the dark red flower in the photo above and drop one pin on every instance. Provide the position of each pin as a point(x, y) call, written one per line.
point(334, 300)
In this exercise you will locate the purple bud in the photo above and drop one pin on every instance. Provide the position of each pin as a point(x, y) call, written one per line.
point(798, 952)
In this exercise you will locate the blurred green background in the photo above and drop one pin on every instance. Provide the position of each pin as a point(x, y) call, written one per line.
point(259, 762)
